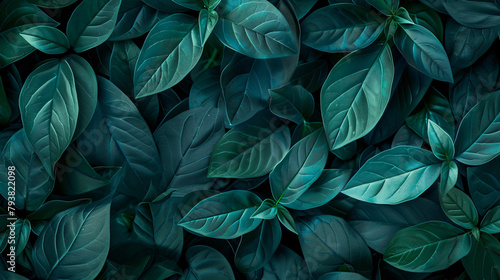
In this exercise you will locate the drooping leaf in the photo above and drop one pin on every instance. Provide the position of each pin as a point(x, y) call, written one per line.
point(491, 221)
point(483, 261)
point(49, 110)
point(225, 216)
point(356, 94)
point(459, 208)
point(81, 229)
point(133, 21)
point(341, 28)
point(427, 247)
point(484, 185)
point(474, 13)
point(394, 176)
point(46, 39)
point(285, 265)
point(440, 141)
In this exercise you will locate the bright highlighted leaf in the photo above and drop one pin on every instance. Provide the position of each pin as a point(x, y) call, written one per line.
point(441, 142)
point(459, 208)
point(46, 39)
point(491, 221)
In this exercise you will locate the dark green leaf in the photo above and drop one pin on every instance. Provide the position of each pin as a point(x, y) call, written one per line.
point(310, 75)
point(207, 20)
point(167, 6)
point(426, 17)
point(449, 176)
point(285, 265)
point(161, 270)
point(491, 221)
point(459, 208)
point(342, 276)
point(440, 141)
point(474, 13)
point(483, 261)
point(207, 263)
point(53, 4)
point(484, 185)
point(266, 211)
point(5, 110)
point(46, 39)
point(22, 230)
point(286, 219)
point(206, 89)
point(133, 21)
point(196, 5)
point(122, 64)
point(387, 7)
point(406, 137)
point(293, 103)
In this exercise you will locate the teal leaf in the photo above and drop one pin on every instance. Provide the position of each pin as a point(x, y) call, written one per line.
point(206, 263)
point(427, 247)
point(49, 110)
point(32, 183)
point(207, 20)
point(241, 28)
point(328, 242)
point(293, 103)
point(257, 247)
point(161, 270)
point(226, 215)
point(427, 17)
point(286, 219)
point(46, 39)
point(266, 211)
point(133, 21)
point(206, 89)
point(92, 23)
point(449, 176)
point(167, 6)
point(484, 185)
point(122, 64)
point(310, 75)
point(298, 170)
point(459, 208)
point(474, 13)
point(341, 28)
point(440, 141)
point(356, 93)
point(161, 66)
point(84, 228)
point(483, 261)
point(342, 276)
point(251, 149)
point(323, 190)
point(394, 176)
point(423, 51)
point(22, 230)
point(285, 265)
point(387, 7)
point(51, 4)
point(406, 137)
point(478, 136)
point(196, 5)
point(491, 221)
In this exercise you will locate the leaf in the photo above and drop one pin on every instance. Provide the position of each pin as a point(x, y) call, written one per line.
point(377, 224)
point(17, 16)
point(328, 242)
point(394, 176)
point(474, 14)
point(479, 133)
point(449, 176)
point(341, 28)
point(207, 20)
point(460, 208)
point(46, 39)
point(285, 265)
point(356, 93)
point(484, 185)
point(122, 64)
point(427, 247)
point(293, 103)
point(225, 216)
point(257, 247)
point(91, 23)
point(286, 219)
point(196, 5)
point(491, 221)
point(84, 228)
point(184, 143)
point(483, 261)
point(427, 17)
point(159, 67)
point(207, 263)
point(342, 276)
point(323, 190)
point(168, 6)
point(161, 270)
point(241, 29)
point(133, 21)
point(22, 234)
point(251, 149)
point(206, 89)
point(423, 51)
point(310, 75)
point(440, 141)
point(387, 7)
point(406, 137)
point(298, 170)
point(51, 3)
point(49, 110)
point(266, 211)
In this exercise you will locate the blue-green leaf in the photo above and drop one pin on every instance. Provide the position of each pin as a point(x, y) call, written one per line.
point(478, 137)
point(206, 263)
point(285, 265)
point(51, 3)
point(387, 7)
point(207, 20)
point(196, 5)
point(133, 21)
point(310, 75)
point(293, 103)
point(167, 6)
point(226, 215)
point(491, 221)
point(474, 13)
point(394, 176)
point(356, 94)
point(206, 89)
point(483, 261)
point(484, 185)
point(427, 247)
point(46, 39)
point(449, 176)
point(92, 23)
point(342, 276)
point(162, 65)
point(241, 28)
point(342, 28)
point(440, 141)
point(459, 208)
point(49, 110)
point(406, 137)
point(5, 110)
point(266, 211)
point(427, 17)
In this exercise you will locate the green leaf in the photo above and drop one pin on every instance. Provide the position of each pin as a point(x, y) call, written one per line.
point(342, 276)
point(474, 13)
point(167, 6)
point(51, 4)
point(351, 104)
point(46, 39)
point(478, 136)
point(161, 66)
point(22, 230)
point(206, 89)
point(226, 215)
point(394, 176)
point(285, 265)
point(241, 29)
point(323, 190)
point(257, 247)
point(459, 208)
point(91, 23)
point(484, 185)
point(449, 176)
point(483, 261)
point(251, 149)
point(387, 7)
point(196, 5)
point(206, 263)
point(122, 64)
point(133, 21)
point(32, 183)
point(440, 141)
point(406, 137)
point(341, 28)
point(81, 229)
point(427, 247)
point(423, 51)
point(286, 219)
point(293, 103)
point(161, 270)
point(328, 242)
point(298, 170)
point(310, 75)
point(17, 16)
point(491, 221)
point(427, 17)
point(266, 211)
point(49, 110)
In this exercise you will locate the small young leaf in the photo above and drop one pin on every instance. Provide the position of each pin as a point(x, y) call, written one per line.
point(207, 20)
point(266, 211)
point(459, 208)
point(47, 39)
point(286, 219)
point(449, 176)
point(441, 143)
point(491, 221)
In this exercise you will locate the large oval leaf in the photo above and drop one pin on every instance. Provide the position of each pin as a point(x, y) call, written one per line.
point(341, 28)
point(427, 247)
point(49, 110)
point(483, 261)
point(81, 229)
point(478, 137)
point(474, 13)
point(356, 93)
point(484, 185)
point(242, 28)
point(285, 265)
point(225, 216)
point(207, 263)
point(170, 52)
point(394, 176)
point(46, 39)
point(459, 208)
point(92, 23)
point(293, 103)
